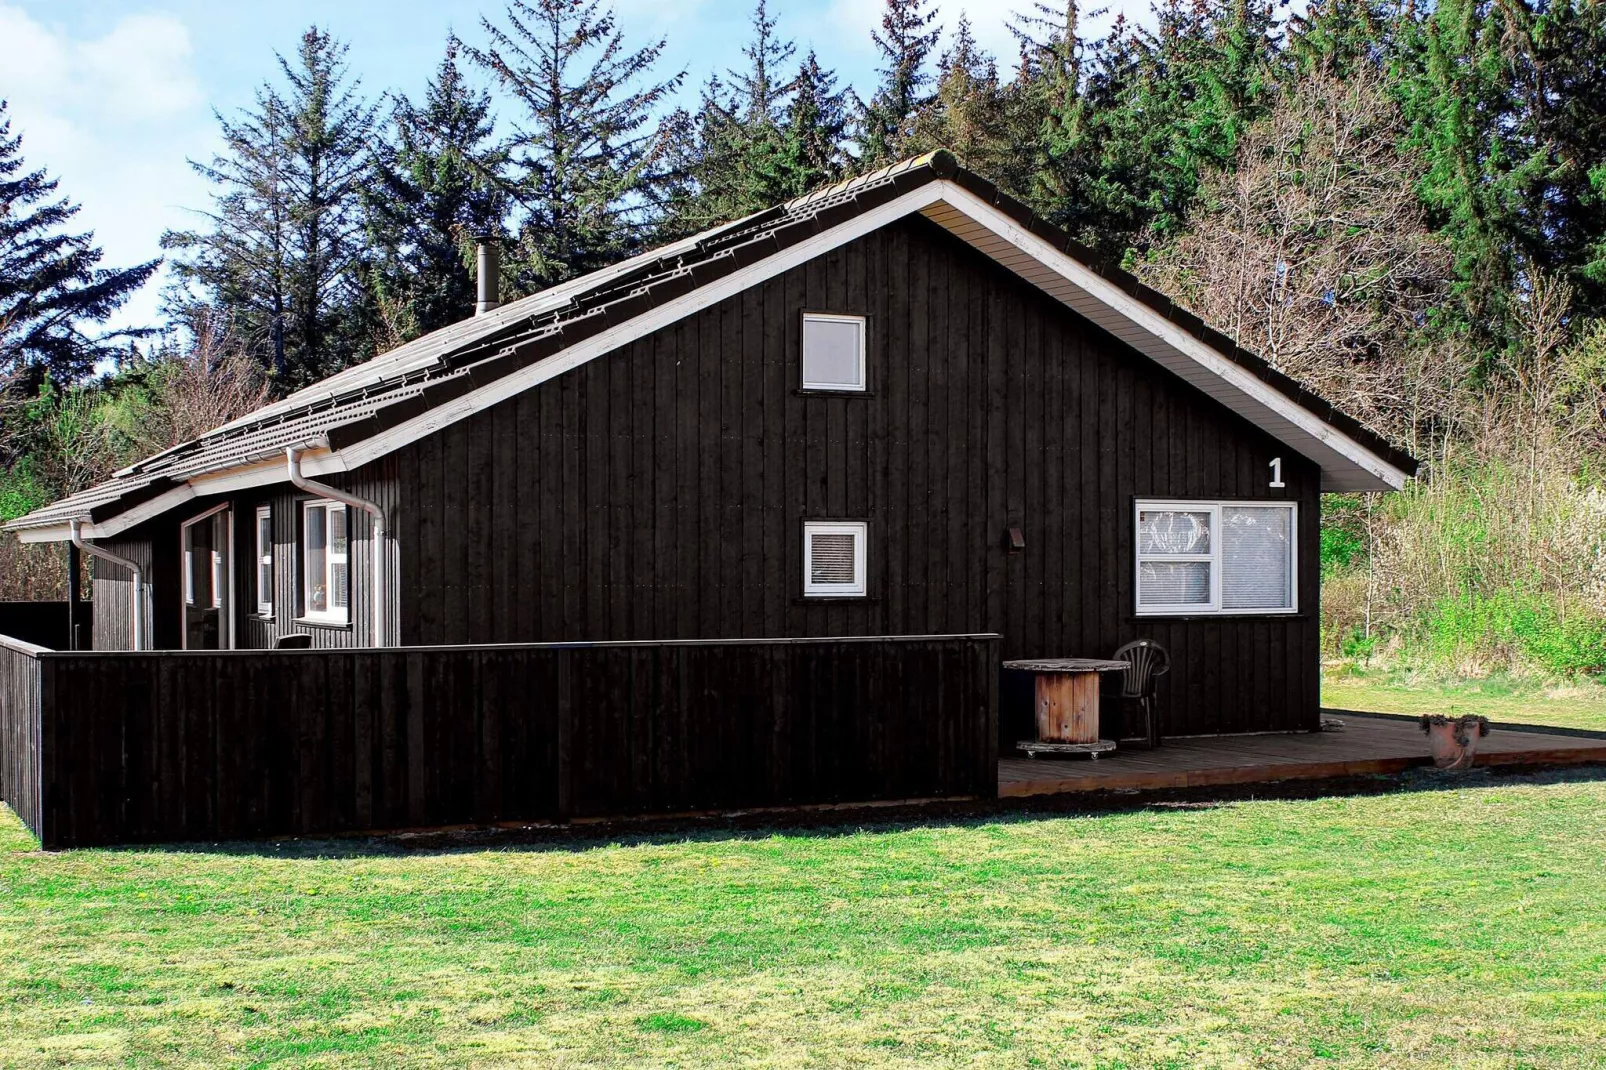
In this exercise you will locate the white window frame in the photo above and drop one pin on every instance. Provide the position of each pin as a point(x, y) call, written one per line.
point(860, 531)
point(1215, 557)
point(329, 616)
point(222, 577)
point(264, 556)
point(834, 317)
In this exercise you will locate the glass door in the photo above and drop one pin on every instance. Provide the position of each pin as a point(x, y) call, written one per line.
point(208, 612)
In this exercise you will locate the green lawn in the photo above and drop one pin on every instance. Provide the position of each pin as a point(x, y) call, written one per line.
point(1456, 926)
point(1500, 698)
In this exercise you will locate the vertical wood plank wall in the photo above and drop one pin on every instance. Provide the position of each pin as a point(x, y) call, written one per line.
point(377, 483)
point(157, 545)
point(111, 588)
point(161, 746)
point(21, 742)
point(659, 492)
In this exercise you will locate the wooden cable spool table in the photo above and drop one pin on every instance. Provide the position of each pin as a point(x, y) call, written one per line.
point(1066, 694)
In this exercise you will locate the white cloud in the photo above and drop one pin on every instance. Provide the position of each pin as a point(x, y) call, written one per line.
point(112, 116)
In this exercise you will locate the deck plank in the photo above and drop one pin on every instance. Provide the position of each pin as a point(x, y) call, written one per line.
point(1368, 745)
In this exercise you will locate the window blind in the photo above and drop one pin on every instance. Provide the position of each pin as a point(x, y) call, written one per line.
point(831, 558)
point(1257, 563)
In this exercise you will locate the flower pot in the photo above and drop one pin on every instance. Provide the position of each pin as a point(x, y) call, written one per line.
point(1453, 741)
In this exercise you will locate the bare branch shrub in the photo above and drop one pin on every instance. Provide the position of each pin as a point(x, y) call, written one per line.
point(1314, 252)
point(216, 382)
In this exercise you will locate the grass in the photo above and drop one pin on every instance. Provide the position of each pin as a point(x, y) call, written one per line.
point(1452, 927)
point(1515, 700)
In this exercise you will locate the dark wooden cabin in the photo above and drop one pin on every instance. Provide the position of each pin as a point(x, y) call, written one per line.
point(900, 406)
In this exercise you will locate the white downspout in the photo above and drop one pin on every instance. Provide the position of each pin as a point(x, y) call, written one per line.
point(323, 490)
point(77, 528)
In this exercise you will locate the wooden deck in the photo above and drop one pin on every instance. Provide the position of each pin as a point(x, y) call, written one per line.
point(1368, 744)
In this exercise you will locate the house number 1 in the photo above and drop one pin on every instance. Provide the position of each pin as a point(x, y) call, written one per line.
point(1277, 472)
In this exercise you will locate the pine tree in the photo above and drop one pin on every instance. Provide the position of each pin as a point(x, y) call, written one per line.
point(908, 34)
point(816, 128)
point(758, 91)
point(1130, 131)
point(436, 189)
point(1508, 106)
point(735, 151)
point(969, 113)
point(284, 259)
point(588, 166)
point(52, 287)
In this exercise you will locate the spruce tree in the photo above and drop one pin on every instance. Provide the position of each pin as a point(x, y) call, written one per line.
point(588, 167)
point(53, 291)
point(735, 150)
point(1133, 125)
point(284, 258)
point(908, 34)
point(1508, 107)
point(816, 128)
point(436, 188)
point(969, 113)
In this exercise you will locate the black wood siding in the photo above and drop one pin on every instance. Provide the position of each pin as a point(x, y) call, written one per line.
point(659, 492)
point(116, 748)
point(112, 587)
point(376, 482)
point(157, 545)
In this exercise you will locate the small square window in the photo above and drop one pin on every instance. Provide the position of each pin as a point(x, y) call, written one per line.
point(833, 559)
point(833, 352)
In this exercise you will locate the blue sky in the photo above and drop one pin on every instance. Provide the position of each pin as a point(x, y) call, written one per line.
point(112, 96)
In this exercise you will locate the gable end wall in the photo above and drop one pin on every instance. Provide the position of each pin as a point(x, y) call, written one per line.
point(660, 492)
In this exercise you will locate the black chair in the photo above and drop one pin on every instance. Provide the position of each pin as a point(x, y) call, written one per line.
point(293, 641)
point(1146, 661)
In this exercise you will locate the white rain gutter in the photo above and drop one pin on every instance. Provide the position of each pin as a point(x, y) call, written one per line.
point(77, 529)
point(293, 457)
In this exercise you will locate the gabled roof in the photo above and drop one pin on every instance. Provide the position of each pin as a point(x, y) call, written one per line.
point(375, 408)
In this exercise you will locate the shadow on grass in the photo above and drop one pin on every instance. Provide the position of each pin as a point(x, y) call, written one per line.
point(848, 821)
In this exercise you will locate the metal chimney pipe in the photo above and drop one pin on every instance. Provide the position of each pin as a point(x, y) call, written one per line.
point(488, 275)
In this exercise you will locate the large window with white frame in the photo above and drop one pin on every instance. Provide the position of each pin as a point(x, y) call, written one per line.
point(1223, 558)
point(264, 560)
point(833, 352)
point(326, 577)
point(834, 559)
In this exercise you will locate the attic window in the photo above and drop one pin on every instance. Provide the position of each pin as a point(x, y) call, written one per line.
point(833, 560)
point(833, 352)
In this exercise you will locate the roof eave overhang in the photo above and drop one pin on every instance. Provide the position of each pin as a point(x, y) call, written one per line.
point(996, 226)
point(1346, 463)
point(261, 471)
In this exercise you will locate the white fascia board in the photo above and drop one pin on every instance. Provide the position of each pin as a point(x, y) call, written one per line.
point(1265, 400)
point(1346, 464)
point(52, 533)
point(227, 481)
point(115, 525)
point(598, 345)
point(1350, 465)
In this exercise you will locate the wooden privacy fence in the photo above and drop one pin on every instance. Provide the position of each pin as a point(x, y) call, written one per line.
point(164, 746)
point(19, 729)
